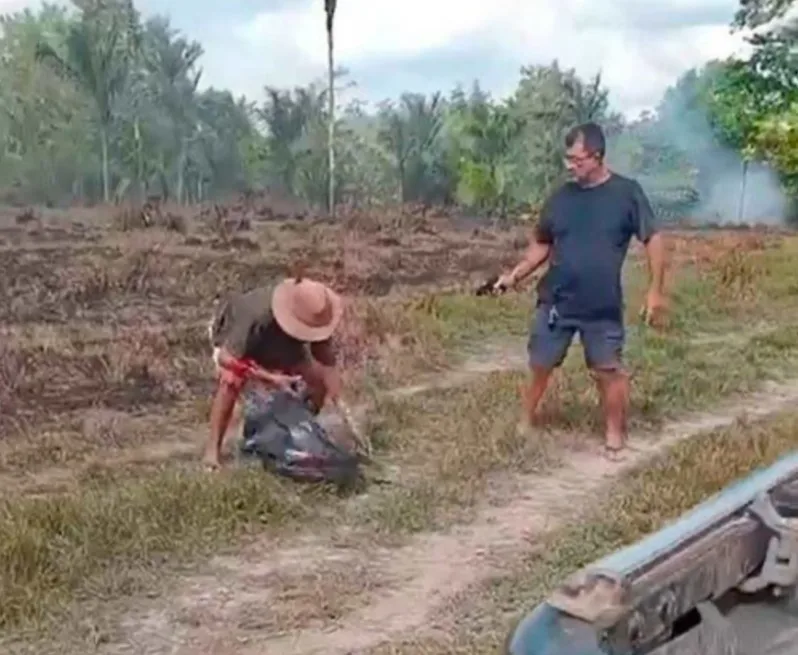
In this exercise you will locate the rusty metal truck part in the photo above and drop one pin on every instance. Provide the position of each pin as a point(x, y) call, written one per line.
point(708, 583)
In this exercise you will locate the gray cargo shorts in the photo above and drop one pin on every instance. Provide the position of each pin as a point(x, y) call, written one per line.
point(550, 338)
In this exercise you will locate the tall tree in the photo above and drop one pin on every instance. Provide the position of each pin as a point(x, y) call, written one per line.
point(99, 49)
point(43, 118)
point(548, 101)
point(171, 62)
point(410, 130)
point(756, 13)
point(292, 120)
point(486, 168)
point(329, 10)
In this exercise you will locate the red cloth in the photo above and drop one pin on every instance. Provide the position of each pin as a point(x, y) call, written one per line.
point(236, 372)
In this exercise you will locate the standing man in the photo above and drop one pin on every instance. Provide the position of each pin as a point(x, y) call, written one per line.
point(583, 233)
point(274, 337)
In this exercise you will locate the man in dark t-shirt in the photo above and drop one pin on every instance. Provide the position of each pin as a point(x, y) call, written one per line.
point(273, 336)
point(583, 233)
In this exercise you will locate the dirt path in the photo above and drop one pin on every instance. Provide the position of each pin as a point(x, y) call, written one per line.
point(241, 606)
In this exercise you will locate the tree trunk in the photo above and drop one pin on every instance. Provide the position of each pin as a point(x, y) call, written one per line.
point(139, 162)
point(331, 117)
point(741, 203)
point(104, 155)
point(181, 165)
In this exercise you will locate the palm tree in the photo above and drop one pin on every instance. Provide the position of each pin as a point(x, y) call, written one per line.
point(409, 131)
point(171, 61)
point(100, 47)
point(329, 10)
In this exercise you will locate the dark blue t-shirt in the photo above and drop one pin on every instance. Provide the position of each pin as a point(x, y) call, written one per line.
point(589, 229)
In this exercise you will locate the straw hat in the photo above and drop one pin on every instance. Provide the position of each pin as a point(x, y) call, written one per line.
point(306, 310)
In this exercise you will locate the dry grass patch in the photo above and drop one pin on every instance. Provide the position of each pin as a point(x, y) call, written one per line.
point(52, 548)
point(449, 443)
point(446, 444)
point(311, 598)
point(638, 504)
point(71, 440)
point(389, 342)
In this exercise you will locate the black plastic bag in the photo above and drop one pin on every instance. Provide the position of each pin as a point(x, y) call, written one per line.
point(282, 431)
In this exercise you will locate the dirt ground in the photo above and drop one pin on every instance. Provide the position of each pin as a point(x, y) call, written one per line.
point(404, 591)
point(105, 382)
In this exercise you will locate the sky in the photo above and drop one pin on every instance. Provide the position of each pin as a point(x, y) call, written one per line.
point(639, 46)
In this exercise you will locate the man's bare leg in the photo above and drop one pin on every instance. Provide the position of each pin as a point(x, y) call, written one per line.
point(613, 386)
point(236, 419)
point(534, 390)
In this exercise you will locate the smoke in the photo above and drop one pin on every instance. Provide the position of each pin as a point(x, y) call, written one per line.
point(729, 190)
point(743, 194)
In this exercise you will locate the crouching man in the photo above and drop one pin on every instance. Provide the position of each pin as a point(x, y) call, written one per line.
point(274, 337)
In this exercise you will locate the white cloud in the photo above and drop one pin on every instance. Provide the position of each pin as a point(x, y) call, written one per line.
point(638, 57)
point(640, 47)
point(368, 28)
point(12, 5)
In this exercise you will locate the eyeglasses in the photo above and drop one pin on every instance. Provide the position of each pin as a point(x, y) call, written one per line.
point(577, 159)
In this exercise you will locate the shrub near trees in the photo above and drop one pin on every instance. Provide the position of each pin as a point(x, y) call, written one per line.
point(99, 104)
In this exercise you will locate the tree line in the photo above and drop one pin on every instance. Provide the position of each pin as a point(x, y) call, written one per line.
point(99, 105)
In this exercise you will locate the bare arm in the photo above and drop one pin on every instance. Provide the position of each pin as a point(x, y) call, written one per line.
point(229, 362)
point(534, 257)
point(221, 412)
point(539, 249)
point(655, 253)
point(324, 352)
point(647, 231)
point(234, 374)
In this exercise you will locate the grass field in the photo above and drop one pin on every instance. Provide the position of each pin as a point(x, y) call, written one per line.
point(113, 539)
point(637, 504)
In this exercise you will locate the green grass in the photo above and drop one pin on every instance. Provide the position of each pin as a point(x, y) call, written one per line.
point(452, 454)
point(49, 548)
point(728, 294)
point(53, 547)
point(636, 505)
point(446, 443)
